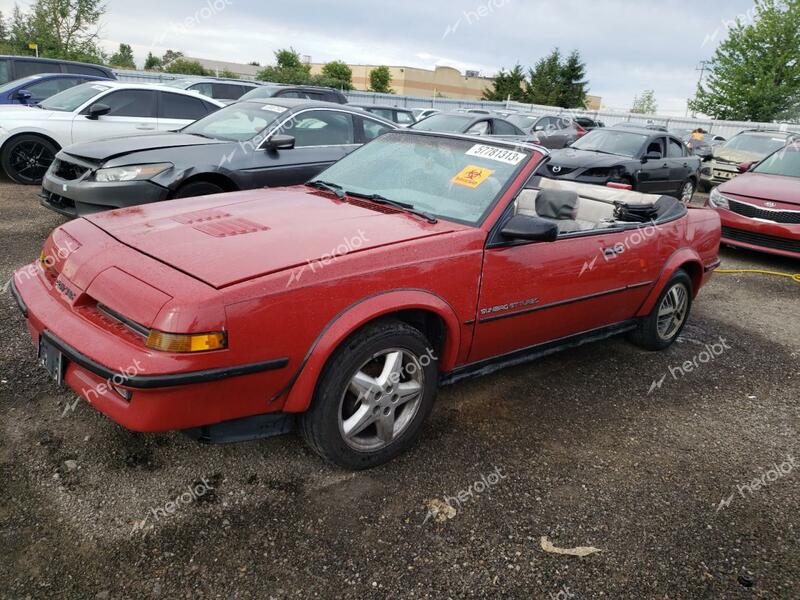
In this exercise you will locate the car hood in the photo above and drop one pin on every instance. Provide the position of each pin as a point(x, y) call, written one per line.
point(14, 112)
point(225, 239)
point(775, 188)
point(572, 158)
point(108, 148)
point(735, 156)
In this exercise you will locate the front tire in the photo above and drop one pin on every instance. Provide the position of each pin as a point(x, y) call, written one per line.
point(26, 158)
point(373, 396)
point(660, 329)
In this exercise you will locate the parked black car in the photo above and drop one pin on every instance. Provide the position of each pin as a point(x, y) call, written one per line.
point(472, 124)
point(307, 92)
point(219, 89)
point(246, 145)
point(17, 67)
point(402, 116)
point(649, 161)
point(550, 131)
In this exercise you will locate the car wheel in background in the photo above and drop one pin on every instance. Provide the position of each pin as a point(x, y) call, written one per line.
point(663, 325)
point(373, 396)
point(198, 188)
point(26, 158)
point(687, 191)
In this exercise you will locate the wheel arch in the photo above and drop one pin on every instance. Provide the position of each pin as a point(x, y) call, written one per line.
point(688, 260)
point(223, 181)
point(419, 308)
point(36, 133)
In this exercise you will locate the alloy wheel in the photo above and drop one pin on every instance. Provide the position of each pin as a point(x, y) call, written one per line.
point(687, 193)
point(381, 400)
point(30, 160)
point(672, 311)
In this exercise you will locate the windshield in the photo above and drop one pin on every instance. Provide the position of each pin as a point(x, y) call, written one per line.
point(522, 121)
point(453, 179)
point(784, 162)
point(19, 83)
point(623, 143)
point(237, 122)
point(755, 143)
point(74, 97)
point(444, 123)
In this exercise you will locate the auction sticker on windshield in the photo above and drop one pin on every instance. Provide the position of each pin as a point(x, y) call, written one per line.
point(494, 153)
point(273, 108)
point(472, 176)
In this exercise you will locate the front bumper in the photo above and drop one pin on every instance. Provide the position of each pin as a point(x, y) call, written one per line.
point(77, 198)
point(715, 173)
point(775, 238)
point(160, 391)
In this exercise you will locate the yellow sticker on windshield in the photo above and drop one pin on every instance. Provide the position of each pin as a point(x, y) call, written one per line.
point(472, 176)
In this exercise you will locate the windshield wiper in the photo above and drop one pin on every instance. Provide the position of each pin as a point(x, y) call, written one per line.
point(329, 187)
point(409, 208)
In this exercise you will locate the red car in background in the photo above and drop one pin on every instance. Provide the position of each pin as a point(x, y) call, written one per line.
point(760, 209)
point(340, 306)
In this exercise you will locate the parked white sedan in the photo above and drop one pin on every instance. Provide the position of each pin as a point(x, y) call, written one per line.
point(30, 136)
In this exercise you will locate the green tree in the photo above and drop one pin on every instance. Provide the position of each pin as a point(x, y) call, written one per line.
point(645, 104)
point(339, 75)
point(186, 67)
point(66, 29)
point(152, 63)
point(573, 81)
point(228, 74)
point(289, 68)
point(507, 84)
point(546, 81)
point(170, 56)
point(754, 74)
point(123, 58)
point(380, 80)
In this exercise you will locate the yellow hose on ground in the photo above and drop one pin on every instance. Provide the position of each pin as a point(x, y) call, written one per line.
point(794, 277)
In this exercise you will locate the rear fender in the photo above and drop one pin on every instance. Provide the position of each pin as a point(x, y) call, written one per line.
point(686, 258)
point(356, 316)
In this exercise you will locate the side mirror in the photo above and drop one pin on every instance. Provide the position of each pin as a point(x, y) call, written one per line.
point(23, 96)
point(98, 110)
point(280, 141)
point(523, 227)
point(539, 128)
point(652, 156)
point(745, 166)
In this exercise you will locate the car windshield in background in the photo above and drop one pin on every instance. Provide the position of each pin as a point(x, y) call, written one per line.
point(453, 179)
point(262, 91)
point(784, 162)
point(521, 121)
point(756, 143)
point(444, 123)
point(610, 141)
point(236, 123)
point(70, 99)
point(19, 83)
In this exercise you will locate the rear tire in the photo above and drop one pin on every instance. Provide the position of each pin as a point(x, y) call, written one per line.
point(687, 191)
point(373, 396)
point(198, 188)
point(660, 329)
point(26, 158)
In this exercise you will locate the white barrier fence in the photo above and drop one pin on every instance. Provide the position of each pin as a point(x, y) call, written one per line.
point(726, 129)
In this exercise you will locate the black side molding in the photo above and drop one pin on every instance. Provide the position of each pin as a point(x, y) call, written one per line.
point(20, 302)
point(147, 382)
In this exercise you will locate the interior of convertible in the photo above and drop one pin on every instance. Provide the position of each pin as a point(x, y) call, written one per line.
point(580, 207)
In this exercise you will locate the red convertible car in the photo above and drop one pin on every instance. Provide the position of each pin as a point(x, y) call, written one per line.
point(760, 209)
point(339, 307)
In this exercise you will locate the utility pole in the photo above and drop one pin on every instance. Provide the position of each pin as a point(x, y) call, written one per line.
point(702, 68)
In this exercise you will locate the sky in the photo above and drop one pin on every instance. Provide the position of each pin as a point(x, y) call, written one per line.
point(628, 45)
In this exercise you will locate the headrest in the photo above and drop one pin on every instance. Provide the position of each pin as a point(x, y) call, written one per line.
point(557, 204)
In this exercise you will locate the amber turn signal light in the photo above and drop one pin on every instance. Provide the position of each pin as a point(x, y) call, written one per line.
point(186, 342)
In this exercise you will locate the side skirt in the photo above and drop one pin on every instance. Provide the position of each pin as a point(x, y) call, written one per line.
point(244, 429)
point(518, 357)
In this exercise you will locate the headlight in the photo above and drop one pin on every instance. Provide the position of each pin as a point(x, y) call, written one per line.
point(131, 172)
point(716, 198)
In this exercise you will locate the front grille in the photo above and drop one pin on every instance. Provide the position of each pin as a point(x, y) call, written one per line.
point(557, 171)
point(756, 212)
point(68, 170)
point(759, 239)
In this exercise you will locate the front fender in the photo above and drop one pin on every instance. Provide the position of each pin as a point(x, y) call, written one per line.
point(683, 257)
point(356, 316)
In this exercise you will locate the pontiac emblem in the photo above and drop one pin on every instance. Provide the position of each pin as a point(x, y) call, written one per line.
point(770, 204)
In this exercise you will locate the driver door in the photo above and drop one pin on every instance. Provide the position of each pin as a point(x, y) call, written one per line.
point(132, 112)
point(654, 175)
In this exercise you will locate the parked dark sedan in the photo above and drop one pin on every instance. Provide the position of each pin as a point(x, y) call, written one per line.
point(643, 159)
point(308, 92)
point(246, 145)
point(37, 88)
point(472, 124)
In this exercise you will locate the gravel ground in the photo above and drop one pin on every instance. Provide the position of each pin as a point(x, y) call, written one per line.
point(575, 447)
